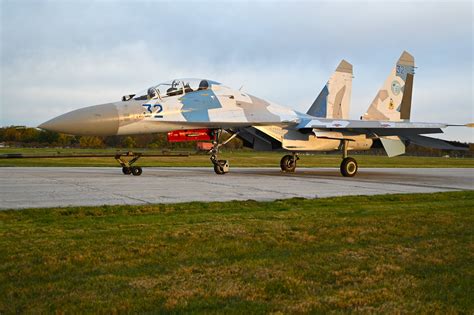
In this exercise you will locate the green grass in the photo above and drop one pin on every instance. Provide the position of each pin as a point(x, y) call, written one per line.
point(237, 159)
point(381, 254)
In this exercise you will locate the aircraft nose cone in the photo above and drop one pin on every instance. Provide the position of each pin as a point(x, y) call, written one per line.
point(98, 120)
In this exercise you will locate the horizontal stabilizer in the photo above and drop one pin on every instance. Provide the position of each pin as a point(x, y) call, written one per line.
point(393, 147)
point(434, 143)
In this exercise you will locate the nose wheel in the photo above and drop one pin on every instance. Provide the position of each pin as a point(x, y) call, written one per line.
point(127, 164)
point(134, 170)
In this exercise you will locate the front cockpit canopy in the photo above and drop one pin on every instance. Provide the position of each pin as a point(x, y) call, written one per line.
point(175, 87)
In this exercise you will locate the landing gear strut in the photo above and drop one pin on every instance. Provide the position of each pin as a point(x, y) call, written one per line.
point(127, 165)
point(349, 165)
point(288, 163)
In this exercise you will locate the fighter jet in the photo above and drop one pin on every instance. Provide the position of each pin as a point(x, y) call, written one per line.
point(201, 109)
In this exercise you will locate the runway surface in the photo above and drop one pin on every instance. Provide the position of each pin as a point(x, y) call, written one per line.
point(27, 187)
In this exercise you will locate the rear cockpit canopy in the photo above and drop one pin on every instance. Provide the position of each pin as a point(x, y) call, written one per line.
point(175, 87)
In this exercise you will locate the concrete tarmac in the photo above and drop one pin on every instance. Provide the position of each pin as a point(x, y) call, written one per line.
point(27, 187)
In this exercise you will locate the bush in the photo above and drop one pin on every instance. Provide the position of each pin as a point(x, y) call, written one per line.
point(91, 142)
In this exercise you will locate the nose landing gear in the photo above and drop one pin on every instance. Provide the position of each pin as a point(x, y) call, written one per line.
point(126, 170)
point(127, 165)
point(134, 170)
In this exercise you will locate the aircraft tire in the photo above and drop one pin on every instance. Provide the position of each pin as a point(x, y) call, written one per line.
point(349, 167)
point(288, 163)
point(219, 167)
point(136, 170)
point(126, 170)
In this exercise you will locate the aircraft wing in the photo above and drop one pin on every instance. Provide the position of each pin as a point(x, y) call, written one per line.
point(391, 133)
point(374, 128)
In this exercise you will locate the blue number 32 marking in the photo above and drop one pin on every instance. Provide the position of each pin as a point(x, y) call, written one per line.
point(157, 107)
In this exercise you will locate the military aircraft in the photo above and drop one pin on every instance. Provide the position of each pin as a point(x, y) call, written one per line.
point(200, 109)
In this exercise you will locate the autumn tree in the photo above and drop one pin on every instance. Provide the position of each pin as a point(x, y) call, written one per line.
point(91, 142)
point(129, 142)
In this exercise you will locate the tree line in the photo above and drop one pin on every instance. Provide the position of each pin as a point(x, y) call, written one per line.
point(33, 137)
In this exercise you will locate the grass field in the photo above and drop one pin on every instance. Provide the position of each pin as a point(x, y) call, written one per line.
point(380, 254)
point(237, 159)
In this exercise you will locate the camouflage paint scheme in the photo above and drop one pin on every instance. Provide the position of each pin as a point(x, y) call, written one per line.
point(387, 104)
point(334, 99)
point(262, 125)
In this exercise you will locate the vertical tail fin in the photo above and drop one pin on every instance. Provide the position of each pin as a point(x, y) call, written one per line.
point(393, 101)
point(334, 99)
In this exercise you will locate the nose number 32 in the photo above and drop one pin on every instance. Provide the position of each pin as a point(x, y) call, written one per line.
point(157, 108)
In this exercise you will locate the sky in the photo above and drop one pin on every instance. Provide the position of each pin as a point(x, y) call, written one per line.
point(58, 56)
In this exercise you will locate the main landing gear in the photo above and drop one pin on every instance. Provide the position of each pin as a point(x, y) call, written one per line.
point(127, 165)
point(288, 163)
point(221, 167)
point(349, 165)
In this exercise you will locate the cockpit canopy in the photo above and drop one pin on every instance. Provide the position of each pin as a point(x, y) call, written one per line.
point(175, 87)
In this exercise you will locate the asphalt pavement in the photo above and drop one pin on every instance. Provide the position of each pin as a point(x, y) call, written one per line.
point(28, 187)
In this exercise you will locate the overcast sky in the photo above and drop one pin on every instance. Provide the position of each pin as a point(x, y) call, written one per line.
point(57, 56)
